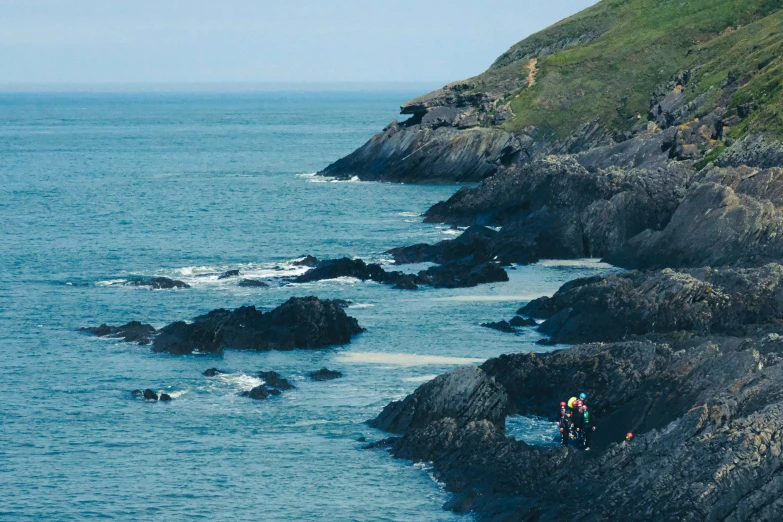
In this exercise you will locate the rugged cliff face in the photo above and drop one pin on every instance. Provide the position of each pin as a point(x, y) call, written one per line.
point(693, 369)
point(647, 133)
point(699, 76)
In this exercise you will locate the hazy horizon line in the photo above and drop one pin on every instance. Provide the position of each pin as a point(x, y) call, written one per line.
point(215, 87)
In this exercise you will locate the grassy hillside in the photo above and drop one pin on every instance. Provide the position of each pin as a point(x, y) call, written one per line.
point(606, 62)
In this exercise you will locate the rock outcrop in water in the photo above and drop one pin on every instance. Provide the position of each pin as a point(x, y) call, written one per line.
point(157, 283)
point(306, 322)
point(133, 332)
point(300, 322)
point(324, 374)
point(456, 274)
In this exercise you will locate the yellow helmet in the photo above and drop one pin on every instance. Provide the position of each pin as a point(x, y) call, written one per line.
point(571, 402)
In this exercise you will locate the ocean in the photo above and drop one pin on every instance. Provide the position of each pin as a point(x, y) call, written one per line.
point(99, 188)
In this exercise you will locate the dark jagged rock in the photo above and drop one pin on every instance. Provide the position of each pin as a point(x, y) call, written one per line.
point(473, 244)
point(258, 393)
point(228, 274)
point(133, 332)
point(608, 308)
point(253, 283)
point(468, 394)
point(463, 274)
point(428, 153)
point(306, 261)
point(556, 208)
point(457, 274)
point(306, 322)
point(500, 326)
point(158, 283)
point(150, 395)
point(343, 267)
point(212, 372)
point(165, 397)
point(518, 321)
point(324, 374)
point(275, 380)
point(731, 216)
point(705, 413)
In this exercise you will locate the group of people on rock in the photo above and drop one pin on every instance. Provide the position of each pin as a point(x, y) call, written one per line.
point(575, 422)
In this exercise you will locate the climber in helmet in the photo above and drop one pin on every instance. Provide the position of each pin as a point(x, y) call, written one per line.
point(583, 398)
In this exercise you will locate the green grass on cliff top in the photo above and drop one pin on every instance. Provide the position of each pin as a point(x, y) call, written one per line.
point(642, 45)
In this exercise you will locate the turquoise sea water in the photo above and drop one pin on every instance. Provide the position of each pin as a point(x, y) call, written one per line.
point(97, 188)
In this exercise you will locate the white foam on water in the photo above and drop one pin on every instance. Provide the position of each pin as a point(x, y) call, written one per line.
point(337, 280)
point(354, 179)
point(408, 214)
point(239, 381)
point(577, 263)
point(307, 175)
point(174, 394)
point(362, 305)
point(111, 282)
point(405, 359)
point(420, 378)
point(452, 231)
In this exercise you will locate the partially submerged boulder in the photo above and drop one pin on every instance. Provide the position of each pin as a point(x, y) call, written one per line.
point(306, 322)
point(157, 283)
point(324, 374)
point(132, 332)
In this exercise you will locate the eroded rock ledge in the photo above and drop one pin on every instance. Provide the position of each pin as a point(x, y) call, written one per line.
point(699, 383)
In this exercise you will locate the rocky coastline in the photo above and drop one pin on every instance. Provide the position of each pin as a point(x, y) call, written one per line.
point(684, 347)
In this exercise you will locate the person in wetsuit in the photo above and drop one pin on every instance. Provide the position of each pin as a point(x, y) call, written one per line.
point(578, 420)
point(587, 427)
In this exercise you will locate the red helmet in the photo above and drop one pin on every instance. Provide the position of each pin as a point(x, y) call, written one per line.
point(579, 403)
point(584, 407)
point(628, 436)
point(561, 430)
point(562, 404)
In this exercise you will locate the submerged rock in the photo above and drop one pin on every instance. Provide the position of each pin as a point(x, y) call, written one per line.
point(306, 322)
point(150, 395)
point(518, 321)
point(275, 380)
point(253, 283)
point(132, 332)
point(500, 326)
point(229, 274)
point(258, 393)
point(158, 283)
point(212, 372)
point(324, 375)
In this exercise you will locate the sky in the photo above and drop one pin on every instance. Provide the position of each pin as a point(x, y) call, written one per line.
point(177, 42)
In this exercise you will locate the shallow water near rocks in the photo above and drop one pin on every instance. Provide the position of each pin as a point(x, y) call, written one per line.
point(100, 188)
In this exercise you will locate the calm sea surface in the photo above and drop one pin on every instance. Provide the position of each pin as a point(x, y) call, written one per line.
point(98, 188)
